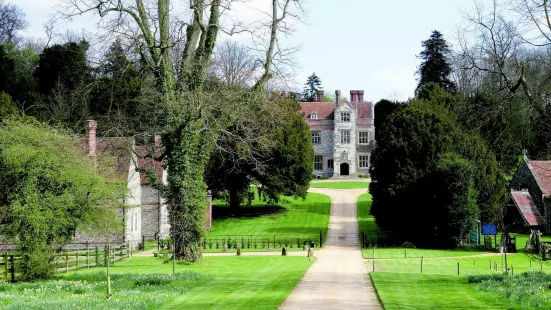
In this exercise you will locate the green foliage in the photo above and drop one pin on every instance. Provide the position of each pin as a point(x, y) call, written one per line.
point(405, 170)
point(47, 191)
point(455, 198)
point(541, 147)
point(383, 109)
point(7, 108)
point(64, 64)
point(273, 147)
point(310, 92)
point(290, 170)
point(526, 290)
point(435, 67)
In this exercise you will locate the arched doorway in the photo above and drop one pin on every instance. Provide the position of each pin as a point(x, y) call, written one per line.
point(344, 169)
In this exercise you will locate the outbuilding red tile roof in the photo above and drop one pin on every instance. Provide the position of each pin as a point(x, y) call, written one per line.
point(527, 208)
point(114, 156)
point(541, 170)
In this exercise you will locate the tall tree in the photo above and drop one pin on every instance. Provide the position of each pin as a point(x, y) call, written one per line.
point(12, 21)
point(435, 67)
point(196, 117)
point(310, 92)
point(383, 109)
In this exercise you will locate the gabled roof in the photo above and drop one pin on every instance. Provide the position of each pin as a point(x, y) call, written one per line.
point(541, 170)
point(527, 208)
point(326, 110)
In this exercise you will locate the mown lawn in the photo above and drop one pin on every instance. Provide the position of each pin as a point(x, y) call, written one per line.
point(401, 285)
point(147, 283)
point(301, 218)
point(427, 291)
point(340, 185)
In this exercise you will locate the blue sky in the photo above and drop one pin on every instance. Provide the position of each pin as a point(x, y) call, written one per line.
point(369, 45)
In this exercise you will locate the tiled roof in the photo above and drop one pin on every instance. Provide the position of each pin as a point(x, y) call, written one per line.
point(541, 170)
point(527, 208)
point(149, 163)
point(114, 156)
point(325, 110)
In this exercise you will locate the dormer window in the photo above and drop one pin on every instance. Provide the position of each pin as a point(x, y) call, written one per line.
point(345, 116)
point(314, 116)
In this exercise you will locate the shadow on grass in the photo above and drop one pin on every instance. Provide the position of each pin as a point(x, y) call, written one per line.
point(223, 212)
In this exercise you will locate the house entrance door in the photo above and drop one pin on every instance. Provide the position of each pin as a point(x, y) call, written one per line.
point(344, 169)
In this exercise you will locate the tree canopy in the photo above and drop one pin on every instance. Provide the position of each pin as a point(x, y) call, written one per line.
point(311, 88)
point(435, 67)
point(413, 180)
point(48, 189)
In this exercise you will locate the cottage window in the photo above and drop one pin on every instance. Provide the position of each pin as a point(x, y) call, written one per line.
point(345, 136)
point(330, 164)
point(318, 162)
point(363, 161)
point(314, 116)
point(345, 116)
point(363, 137)
point(316, 137)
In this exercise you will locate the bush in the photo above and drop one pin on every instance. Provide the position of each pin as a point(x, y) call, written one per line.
point(408, 245)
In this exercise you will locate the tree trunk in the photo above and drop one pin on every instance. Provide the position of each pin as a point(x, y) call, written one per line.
point(235, 198)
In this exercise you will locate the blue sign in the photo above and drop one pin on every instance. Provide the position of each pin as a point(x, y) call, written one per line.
point(489, 229)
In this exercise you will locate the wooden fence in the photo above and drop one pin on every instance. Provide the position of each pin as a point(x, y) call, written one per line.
point(74, 257)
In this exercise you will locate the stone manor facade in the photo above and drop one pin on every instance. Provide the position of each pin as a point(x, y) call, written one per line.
point(342, 134)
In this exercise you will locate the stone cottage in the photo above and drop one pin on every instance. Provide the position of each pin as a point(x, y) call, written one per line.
point(342, 134)
point(530, 203)
point(146, 214)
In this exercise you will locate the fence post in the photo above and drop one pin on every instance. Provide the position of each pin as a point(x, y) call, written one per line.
point(128, 249)
point(97, 257)
point(122, 251)
point(67, 262)
point(490, 264)
point(321, 239)
point(373, 261)
point(6, 266)
point(12, 268)
point(105, 256)
point(143, 242)
point(87, 255)
point(512, 271)
point(457, 268)
point(77, 258)
point(373, 246)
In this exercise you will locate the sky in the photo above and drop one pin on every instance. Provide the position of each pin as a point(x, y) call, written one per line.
point(369, 45)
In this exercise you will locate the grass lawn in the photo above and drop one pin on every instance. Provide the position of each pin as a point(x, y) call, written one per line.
point(340, 185)
point(294, 216)
point(147, 283)
point(427, 291)
point(401, 285)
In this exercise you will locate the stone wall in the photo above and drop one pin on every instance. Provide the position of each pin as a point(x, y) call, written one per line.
point(325, 148)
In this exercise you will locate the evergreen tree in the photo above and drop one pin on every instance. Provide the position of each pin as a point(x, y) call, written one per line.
point(310, 92)
point(435, 67)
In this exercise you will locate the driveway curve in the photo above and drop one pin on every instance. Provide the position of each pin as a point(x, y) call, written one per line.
point(339, 278)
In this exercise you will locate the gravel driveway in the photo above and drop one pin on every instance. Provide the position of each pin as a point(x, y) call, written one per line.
point(338, 279)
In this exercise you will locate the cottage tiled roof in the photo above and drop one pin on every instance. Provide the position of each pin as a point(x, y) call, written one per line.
point(364, 109)
point(145, 161)
point(541, 170)
point(113, 155)
point(527, 208)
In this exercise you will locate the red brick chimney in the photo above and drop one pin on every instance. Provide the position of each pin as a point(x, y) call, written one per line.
point(90, 126)
point(319, 97)
point(337, 97)
point(356, 95)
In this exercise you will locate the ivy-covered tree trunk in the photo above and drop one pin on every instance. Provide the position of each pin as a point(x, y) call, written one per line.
point(188, 151)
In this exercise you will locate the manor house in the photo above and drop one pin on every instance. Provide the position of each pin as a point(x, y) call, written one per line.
point(342, 134)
